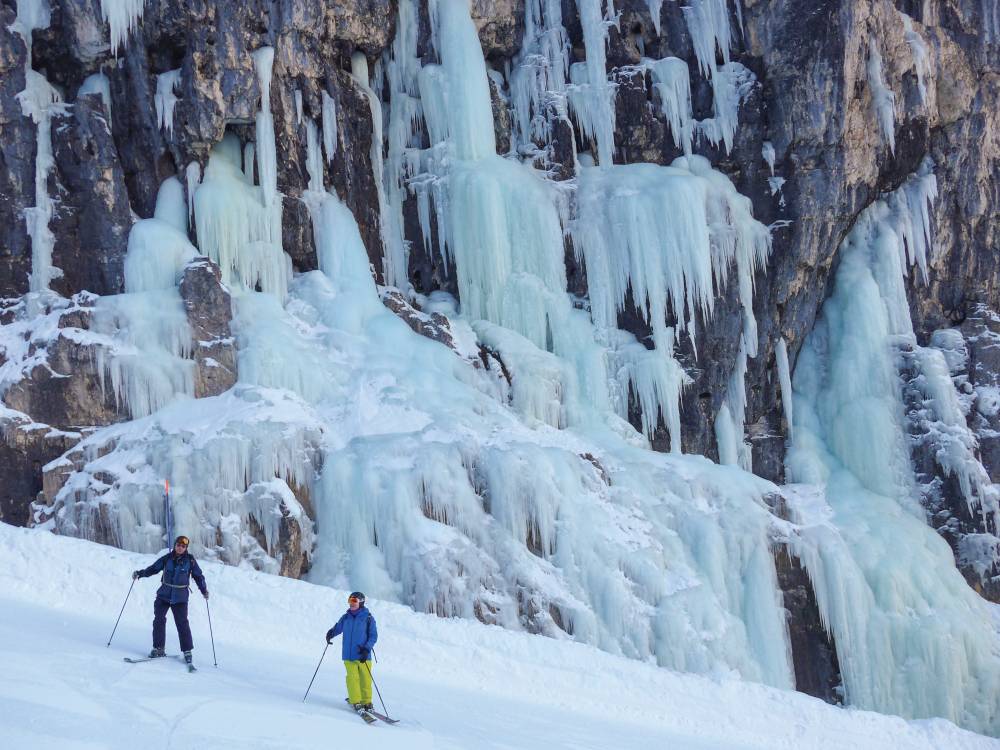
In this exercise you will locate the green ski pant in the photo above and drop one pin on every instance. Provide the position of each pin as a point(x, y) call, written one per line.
point(359, 681)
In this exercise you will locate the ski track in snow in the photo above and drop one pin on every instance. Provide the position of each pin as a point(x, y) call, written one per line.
point(454, 683)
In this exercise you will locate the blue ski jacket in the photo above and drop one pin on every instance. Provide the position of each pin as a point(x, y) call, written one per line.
point(359, 632)
point(177, 572)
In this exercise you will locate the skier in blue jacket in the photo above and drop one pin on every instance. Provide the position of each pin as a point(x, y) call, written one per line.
point(360, 634)
point(178, 567)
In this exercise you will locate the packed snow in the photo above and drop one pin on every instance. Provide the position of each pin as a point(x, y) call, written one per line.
point(451, 683)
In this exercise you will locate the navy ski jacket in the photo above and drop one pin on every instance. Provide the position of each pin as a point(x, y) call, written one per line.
point(177, 572)
point(359, 632)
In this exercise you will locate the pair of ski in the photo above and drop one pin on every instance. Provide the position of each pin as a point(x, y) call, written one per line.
point(370, 716)
point(130, 660)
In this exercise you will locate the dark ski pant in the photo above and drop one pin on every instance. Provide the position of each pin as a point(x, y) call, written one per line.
point(180, 609)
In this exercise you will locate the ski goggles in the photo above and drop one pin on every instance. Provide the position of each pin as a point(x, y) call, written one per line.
point(353, 600)
point(183, 541)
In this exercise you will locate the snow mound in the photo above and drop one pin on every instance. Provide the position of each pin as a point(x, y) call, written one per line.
point(454, 683)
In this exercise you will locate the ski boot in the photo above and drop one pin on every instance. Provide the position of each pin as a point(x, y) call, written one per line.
point(369, 707)
point(156, 653)
point(187, 657)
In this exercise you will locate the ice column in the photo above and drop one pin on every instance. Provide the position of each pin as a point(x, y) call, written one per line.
point(267, 158)
point(38, 100)
point(912, 637)
point(395, 258)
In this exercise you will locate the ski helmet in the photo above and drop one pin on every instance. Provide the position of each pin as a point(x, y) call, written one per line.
point(359, 596)
point(182, 540)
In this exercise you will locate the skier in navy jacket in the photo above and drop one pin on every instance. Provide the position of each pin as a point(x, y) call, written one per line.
point(360, 634)
point(178, 567)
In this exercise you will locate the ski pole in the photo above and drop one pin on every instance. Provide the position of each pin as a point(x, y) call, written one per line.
point(376, 689)
point(210, 633)
point(120, 613)
point(314, 674)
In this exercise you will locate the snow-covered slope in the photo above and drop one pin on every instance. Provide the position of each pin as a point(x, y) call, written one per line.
point(455, 683)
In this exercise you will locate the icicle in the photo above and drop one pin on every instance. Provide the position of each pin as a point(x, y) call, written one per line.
point(314, 157)
point(539, 74)
point(236, 228)
point(785, 382)
point(672, 82)
point(298, 106)
point(592, 95)
point(267, 159)
point(122, 16)
point(883, 99)
point(729, 422)
point(329, 127)
point(921, 57)
point(97, 83)
point(38, 100)
point(767, 153)
point(395, 258)
point(165, 99)
point(655, 7)
point(192, 176)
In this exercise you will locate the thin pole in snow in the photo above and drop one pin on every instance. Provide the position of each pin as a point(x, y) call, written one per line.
point(120, 613)
point(315, 673)
point(210, 633)
point(376, 689)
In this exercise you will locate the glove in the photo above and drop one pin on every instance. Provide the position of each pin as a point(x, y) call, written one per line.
point(329, 636)
point(363, 653)
point(205, 594)
point(135, 574)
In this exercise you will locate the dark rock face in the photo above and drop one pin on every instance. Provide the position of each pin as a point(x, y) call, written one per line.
point(814, 657)
point(209, 313)
point(17, 163)
point(93, 218)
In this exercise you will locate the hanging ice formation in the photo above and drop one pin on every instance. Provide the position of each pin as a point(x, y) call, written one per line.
point(38, 100)
point(912, 637)
point(883, 98)
point(239, 223)
point(538, 76)
point(122, 17)
point(165, 99)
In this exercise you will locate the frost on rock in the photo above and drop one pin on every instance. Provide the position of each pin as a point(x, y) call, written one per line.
point(912, 638)
point(97, 83)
